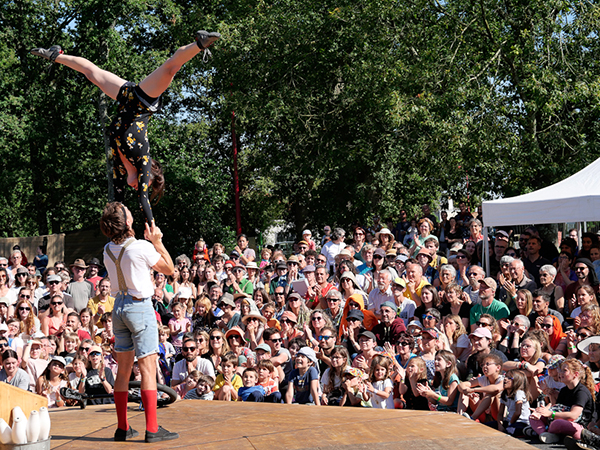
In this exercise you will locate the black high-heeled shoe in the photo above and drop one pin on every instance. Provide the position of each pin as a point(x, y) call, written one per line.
point(50, 54)
point(204, 39)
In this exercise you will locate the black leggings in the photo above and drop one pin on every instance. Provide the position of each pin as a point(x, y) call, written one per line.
point(128, 134)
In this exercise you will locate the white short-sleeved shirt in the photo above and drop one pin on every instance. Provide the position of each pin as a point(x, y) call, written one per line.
point(380, 402)
point(202, 365)
point(136, 263)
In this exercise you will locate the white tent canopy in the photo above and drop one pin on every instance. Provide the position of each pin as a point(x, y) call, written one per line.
point(575, 199)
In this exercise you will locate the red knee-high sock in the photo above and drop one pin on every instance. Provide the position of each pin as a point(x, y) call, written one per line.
point(149, 400)
point(121, 406)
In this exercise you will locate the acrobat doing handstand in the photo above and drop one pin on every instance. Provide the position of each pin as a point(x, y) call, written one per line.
point(130, 150)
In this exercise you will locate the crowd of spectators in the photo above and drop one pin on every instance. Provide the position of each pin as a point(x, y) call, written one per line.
point(394, 315)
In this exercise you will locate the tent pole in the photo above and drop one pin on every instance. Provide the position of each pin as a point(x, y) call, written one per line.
point(578, 234)
point(486, 251)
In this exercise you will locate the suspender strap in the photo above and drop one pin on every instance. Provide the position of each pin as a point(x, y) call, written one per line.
point(117, 261)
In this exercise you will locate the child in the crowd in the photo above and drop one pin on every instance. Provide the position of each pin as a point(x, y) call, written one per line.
point(166, 351)
point(354, 388)
point(514, 412)
point(445, 383)
point(229, 382)
point(268, 378)
point(204, 389)
point(303, 387)
point(178, 326)
point(429, 345)
point(78, 364)
point(51, 381)
point(416, 372)
point(573, 410)
point(379, 386)
point(333, 377)
point(251, 391)
point(551, 384)
point(268, 311)
point(70, 343)
point(190, 383)
point(482, 393)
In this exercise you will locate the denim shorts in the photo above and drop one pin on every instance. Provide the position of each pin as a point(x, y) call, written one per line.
point(134, 326)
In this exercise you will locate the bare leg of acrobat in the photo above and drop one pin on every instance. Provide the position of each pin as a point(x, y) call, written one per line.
point(153, 85)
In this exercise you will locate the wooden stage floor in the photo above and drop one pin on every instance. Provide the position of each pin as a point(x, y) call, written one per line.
point(232, 426)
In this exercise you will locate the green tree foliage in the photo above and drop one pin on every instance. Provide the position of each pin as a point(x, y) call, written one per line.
point(52, 150)
point(343, 109)
point(358, 107)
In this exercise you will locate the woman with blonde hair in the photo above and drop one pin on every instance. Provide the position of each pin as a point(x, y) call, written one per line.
point(524, 302)
point(457, 335)
point(203, 318)
point(318, 321)
point(217, 347)
point(530, 362)
point(589, 318)
point(425, 227)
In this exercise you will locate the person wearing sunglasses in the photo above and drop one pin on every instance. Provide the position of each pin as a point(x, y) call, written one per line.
point(25, 312)
point(54, 284)
point(557, 339)
point(128, 262)
point(54, 322)
point(192, 360)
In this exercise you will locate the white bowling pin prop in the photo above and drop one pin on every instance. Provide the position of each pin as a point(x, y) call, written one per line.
point(17, 411)
point(5, 432)
point(33, 426)
point(19, 429)
point(44, 424)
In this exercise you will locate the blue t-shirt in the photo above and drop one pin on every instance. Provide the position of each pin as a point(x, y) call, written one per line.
point(244, 392)
point(301, 384)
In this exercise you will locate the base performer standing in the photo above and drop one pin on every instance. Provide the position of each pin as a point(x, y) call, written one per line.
point(128, 262)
